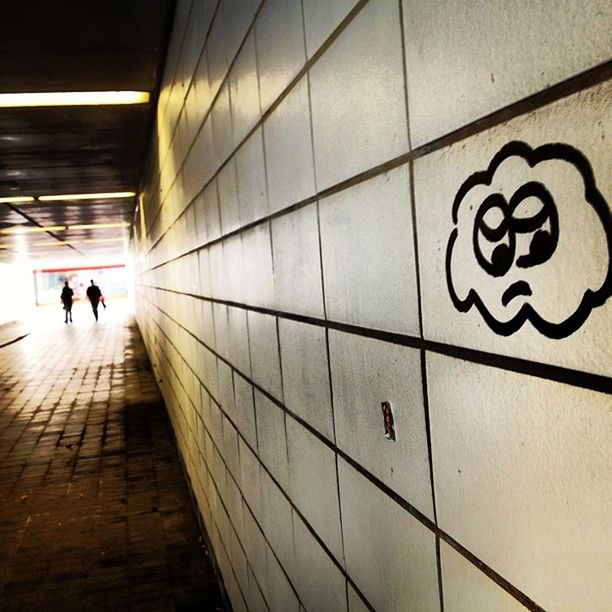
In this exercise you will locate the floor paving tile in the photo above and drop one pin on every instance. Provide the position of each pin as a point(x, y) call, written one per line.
point(94, 510)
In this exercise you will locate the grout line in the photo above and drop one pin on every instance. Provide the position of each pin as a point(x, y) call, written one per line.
point(14, 340)
point(384, 488)
point(576, 378)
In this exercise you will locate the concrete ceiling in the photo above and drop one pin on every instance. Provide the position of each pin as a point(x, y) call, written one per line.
point(76, 46)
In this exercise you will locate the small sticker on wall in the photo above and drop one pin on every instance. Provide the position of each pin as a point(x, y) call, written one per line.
point(388, 420)
point(532, 241)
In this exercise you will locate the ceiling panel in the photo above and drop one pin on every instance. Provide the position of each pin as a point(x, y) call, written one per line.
point(76, 46)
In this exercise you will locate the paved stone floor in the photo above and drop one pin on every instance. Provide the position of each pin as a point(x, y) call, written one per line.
point(94, 508)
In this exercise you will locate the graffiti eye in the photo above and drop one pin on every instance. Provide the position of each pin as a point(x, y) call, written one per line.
point(494, 243)
point(536, 223)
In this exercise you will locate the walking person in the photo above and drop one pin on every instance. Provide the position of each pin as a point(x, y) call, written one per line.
point(93, 295)
point(66, 298)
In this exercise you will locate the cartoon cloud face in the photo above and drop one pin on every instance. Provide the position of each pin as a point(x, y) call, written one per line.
point(532, 241)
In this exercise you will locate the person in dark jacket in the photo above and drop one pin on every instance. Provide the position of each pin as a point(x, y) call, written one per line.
point(93, 295)
point(66, 298)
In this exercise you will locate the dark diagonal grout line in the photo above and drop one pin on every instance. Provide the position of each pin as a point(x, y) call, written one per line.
point(34, 222)
point(386, 489)
point(576, 378)
point(14, 340)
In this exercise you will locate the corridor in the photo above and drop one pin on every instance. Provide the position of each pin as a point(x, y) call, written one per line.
point(95, 513)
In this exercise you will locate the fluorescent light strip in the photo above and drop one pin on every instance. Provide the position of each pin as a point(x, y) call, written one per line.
point(98, 226)
point(17, 199)
point(73, 98)
point(88, 196)
point(100, 240)
point(61, 228)
point(53, 243)
point(30, 230)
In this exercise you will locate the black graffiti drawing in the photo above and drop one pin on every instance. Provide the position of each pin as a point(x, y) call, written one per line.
point(506, 236)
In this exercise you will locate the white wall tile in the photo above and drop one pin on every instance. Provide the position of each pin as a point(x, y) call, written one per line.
point(238, 340)
point(226, 388)
point(579, 262)
point(200, 18)
point(276, 522)
point(519, 468)
point(321, 586)
point(244, 415)
point(467, 589)
point(221, 323)
point(244, 91)
point(228, 197)
point(206, 212)
point(280, 47)
point(229, 28)
point(258, 280)
point(199, 97)
point(358, 99)
point(366, 372)
point(297, 262)
point(254, 545)
point(363, 230)
point(204, 268)
point(223, 141)
point(281, 597)
point(404, 573)
point(313, 484)
point(217, 272)
point(265, 358)
point(251, 171)
point(321, 18)
point(230, 448)
point(305, 374)
point(466, 61)
point(256, 601)
point(250, 480)
point(288, 142)
point(272, 438)
point(355, 603)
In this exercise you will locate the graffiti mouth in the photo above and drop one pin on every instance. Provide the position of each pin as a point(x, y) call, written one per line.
point(514, 290)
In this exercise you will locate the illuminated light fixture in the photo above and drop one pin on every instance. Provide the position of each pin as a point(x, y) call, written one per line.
point(100, 240)
point(17, 199)
point(88, 196)
point(8, 246)
point(73, 98)
point(98, 226)
point(28, 230)
point(53, 243)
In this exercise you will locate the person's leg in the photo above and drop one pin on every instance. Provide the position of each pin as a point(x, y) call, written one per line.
point(95, 310)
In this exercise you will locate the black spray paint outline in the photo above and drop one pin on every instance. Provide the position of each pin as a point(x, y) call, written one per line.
point(591, 299)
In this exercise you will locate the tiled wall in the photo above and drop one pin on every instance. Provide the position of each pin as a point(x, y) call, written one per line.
point(309, 244)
